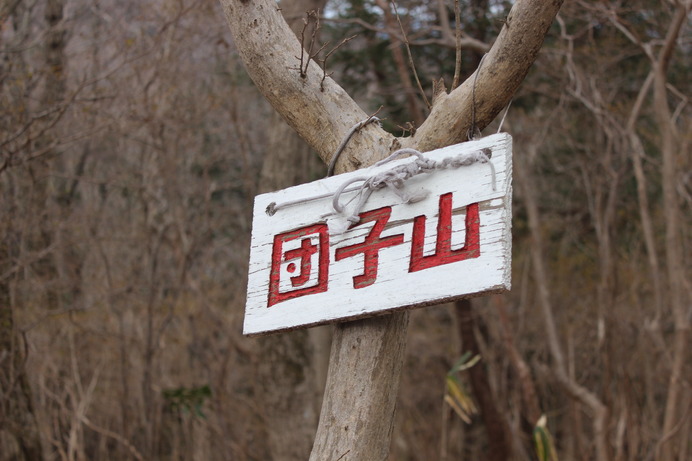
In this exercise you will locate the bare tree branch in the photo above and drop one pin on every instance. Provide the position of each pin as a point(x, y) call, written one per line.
point(322, 118)
point(457, 40)
point(448, 41)
point(505, 67)
point(410, 57)
point(414, 109)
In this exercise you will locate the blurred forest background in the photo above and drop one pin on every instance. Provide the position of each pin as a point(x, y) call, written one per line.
point(132, 144)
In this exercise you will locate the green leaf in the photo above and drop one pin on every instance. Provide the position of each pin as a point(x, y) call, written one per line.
point(545, 448)
point(465, 362)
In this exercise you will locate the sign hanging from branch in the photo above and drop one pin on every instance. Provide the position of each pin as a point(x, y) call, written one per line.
point(403, 233)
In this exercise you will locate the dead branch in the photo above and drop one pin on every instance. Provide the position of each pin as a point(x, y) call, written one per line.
point(324, 61)
point(410, 57)
point(457, 38)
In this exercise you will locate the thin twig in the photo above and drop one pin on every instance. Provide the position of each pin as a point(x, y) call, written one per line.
point(503, 117)
point(410, 57)
point(313, 38)
point(324, 61)
point(457, 36)
point(119, 438)
point(342, 456)
point(471, 134)
point(466, 42)
point(307, 55)
point(675, 429)
point(302, 47)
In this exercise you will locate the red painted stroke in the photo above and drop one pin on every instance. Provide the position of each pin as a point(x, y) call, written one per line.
point(443, 245)
point(371, 246)
point(304, 253)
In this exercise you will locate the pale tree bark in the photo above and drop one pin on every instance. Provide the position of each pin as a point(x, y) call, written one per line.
point(503, 70)
point(365, 363)
point(356, 421)
point(637, 154)
point(269, 50)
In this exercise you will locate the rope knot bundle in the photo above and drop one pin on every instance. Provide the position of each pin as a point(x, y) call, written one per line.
point(395, 179)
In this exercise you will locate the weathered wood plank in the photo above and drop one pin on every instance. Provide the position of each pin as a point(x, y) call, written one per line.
point(455, 243)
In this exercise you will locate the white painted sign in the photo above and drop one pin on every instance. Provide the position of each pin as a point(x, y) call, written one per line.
point(454, 243)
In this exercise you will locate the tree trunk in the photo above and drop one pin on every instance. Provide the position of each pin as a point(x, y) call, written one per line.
point(16, 407)
point(358, 408)
point(17, 413)
point(496, 429)
point(674, 256)
point(356, 421)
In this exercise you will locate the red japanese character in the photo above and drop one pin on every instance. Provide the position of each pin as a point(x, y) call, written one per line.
point(304, 254)
point(371, 246)
point(443, 246)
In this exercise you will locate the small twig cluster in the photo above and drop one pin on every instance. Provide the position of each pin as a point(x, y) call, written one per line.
point(407, 128)
point(307, 50)
point(311, 17)
point(410, 56)
point(324, 61)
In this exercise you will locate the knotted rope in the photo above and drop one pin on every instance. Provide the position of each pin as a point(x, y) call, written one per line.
point(394, 179)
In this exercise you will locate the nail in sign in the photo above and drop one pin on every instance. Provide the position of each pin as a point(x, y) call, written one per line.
point(455, 243)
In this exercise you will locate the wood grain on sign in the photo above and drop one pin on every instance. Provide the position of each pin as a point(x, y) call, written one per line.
point(455, 243)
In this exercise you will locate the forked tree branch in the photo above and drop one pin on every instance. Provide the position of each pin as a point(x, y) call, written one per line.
point(358, 408)
point(321, 112)
point(268, 49)
point(504, 68)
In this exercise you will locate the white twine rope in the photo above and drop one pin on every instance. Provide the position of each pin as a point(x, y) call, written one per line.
point(274, 207)
point(394, 179)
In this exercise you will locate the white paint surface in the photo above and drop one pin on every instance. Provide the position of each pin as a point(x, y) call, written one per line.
point(394, 287)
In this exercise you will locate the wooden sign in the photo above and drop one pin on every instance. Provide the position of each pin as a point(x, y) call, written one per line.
point(455, 243)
